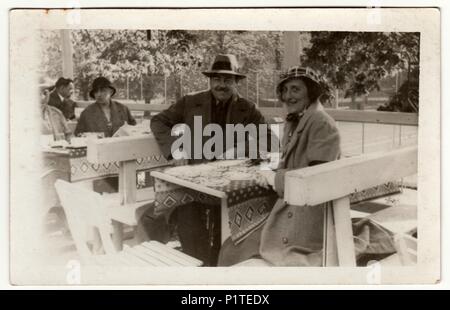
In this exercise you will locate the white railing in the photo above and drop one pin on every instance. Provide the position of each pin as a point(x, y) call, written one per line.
point(378, 130)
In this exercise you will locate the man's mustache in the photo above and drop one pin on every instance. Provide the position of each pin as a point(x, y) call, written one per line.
point(221, 88)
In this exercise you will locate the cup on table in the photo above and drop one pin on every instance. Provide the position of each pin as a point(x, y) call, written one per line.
point(93, 135)
point(60, 136)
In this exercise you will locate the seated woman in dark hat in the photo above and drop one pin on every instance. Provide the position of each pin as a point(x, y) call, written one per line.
point(292, 235)
point(105, 115)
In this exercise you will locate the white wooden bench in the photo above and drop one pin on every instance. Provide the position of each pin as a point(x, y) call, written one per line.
point(340, 179)
point(86, 209)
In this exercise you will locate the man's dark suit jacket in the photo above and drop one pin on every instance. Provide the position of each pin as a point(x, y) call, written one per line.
point(240, 111)
point(67, 107)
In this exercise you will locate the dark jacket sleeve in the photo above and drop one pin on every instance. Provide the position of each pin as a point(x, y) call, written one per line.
point(162, 123)
point(81, 125)
point(69, 109)
point(54, 100)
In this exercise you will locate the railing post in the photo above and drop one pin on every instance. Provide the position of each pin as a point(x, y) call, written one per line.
point(336, 99)
point(142, 89)
point(257, 89)
point(165, 88)
point(363, 137)
point(246, 84)
point(128, 89)
point(393, 136)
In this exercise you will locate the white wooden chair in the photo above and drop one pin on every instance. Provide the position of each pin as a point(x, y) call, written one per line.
point(406, 246)
point(86, 209)
point(50, 198)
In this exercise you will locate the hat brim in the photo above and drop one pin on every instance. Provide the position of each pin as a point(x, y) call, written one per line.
point(92, 92)
point(299, 77)
point(215, 72)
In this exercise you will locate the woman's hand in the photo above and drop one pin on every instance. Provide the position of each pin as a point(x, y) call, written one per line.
point(265, 178)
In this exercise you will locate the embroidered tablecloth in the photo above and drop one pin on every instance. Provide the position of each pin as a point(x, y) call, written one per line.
point(75, 163)
point(248, 203)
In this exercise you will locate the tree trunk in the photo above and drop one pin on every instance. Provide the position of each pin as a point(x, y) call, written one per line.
point(147, 91)
point(278, 62)
point(178, 94)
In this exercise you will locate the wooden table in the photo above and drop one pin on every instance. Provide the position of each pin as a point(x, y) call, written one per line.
point(128, 154)
point(225, 229)
point(244, 204)
point(76, 167)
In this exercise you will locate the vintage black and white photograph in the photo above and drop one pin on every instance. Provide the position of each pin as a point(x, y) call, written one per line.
point(203, 152)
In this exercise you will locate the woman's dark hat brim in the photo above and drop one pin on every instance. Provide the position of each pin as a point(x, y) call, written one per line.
point(93, 91)
point(100, 83)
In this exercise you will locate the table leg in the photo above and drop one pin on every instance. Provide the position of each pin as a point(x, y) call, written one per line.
point(97, 247)
point(224, 226)
point(117, 236)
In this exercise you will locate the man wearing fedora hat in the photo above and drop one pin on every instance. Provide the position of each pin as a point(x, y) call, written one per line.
point(199, 225)
point(105, 115)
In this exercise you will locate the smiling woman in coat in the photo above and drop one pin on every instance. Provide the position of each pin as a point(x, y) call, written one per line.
point(293, 236)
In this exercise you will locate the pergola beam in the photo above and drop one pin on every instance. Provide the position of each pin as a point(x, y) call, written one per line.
point(67, 53)
point(291, 40)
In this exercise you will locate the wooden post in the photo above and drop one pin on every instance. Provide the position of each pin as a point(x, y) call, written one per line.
point(66, 46)
point(339, 248)
point(396, 82)
point(127, 192)
point(274, 83)
point(128, 89)
point(344, 235)
point(181, 85)
point(142, 89)
point(127, 181)
point(330, 257)
point(362, 137)
point(165, 89)
point(246, 84)
point(257, 89)
point(336, 99)
point(291, 41)
point(393, 136)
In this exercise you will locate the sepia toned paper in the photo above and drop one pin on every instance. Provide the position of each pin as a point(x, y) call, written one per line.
point(28, 268)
